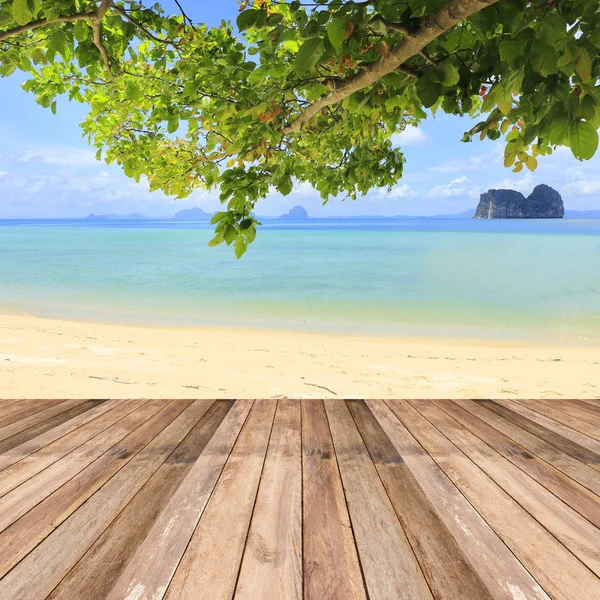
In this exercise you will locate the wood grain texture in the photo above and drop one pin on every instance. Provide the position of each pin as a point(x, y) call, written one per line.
point(331, 566)
point(48, 424)
point(446, 569)
point(389, 565)
point(153, 565)
point(34, 526)
point(577, 444)
point(504, 576)
point(536, 549)
point(97, 571)
point(212, 560)
point(299, 500)
point(24, 449)
point(536, 445)
point(586, 503)
point(272, 564)
point(44, 567)
point(575, 532)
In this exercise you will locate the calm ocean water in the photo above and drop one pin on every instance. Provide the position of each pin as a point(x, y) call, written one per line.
point(433, 277)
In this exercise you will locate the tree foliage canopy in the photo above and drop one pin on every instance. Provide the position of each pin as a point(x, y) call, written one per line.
point(307, 91)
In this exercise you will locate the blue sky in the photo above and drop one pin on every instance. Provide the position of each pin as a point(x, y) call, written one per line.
point(47, 170)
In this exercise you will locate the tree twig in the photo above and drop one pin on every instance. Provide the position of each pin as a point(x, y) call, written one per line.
point(141, 27)
point(185, 17)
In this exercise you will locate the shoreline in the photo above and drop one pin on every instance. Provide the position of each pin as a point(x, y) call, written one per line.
point(56, 358)
point(526, 340)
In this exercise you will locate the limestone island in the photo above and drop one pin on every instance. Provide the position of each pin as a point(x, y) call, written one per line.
point(543, 203)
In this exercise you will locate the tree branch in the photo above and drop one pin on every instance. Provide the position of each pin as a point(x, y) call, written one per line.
point(141, 27)
point(407, 71)
point(438, 23)
point(4, 35)
point(96, 22)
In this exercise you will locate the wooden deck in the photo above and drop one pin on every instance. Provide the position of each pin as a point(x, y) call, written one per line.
point(284, 499)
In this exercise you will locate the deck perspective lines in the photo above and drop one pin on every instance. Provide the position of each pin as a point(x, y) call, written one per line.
point(299, 499)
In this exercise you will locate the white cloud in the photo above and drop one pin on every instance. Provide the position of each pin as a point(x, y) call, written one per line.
point(50, 154)
point(3, 173)
point(410, 136)
point(583, 187)
point(523, 182)
point(487, 160)
point(399, 191)
point(460, 186)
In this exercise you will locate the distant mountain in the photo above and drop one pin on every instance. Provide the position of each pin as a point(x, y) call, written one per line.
point(193, 214)
point(298, 213)
point(115, 217)
point(582, 214)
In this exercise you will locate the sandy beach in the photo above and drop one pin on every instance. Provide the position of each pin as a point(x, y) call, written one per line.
point(45, 358)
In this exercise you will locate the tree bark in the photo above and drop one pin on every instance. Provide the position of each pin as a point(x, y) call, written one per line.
point(433, 26)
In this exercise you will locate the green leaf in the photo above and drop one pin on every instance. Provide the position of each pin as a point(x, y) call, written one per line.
point(248, 18)
point(218, 217)
point(285, 185)
point(428, 91)
point(230, 234)
point(544, 58)
point(308, 56)
point(583, 64)
point(53, 107)
point(20, 12)
point(336, 32)
point(241, 245)
point(39, 58)
point(450, 73)
point(583, 139)
point(511, 51)
point(134, 92)
point(395, 102)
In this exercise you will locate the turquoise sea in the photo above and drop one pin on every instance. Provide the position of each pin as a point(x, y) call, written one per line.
point(529, 279)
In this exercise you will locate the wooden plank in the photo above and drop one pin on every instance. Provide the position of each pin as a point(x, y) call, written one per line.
point(561, 460)
point(212, 560)
point(98, 570)
point(571, 529)
point(576, 444)
point(272, 563)
point(593, 405)
point(331, 566)
point(504, 576)
point(50, 423)
point(18, 453)
point(9, 406)
point(34, 461)
point(580, 499)
point(579, 410)
point(17, 540)
point(564, 415)
point(31, 492)
point(150, 570)
point(32, 415)
point(41, 571)
point(538, 550)
point(389, 565)
point(29, 408)
point(447, 570)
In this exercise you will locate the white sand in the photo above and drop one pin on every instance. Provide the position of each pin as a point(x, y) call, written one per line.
point(44, 358)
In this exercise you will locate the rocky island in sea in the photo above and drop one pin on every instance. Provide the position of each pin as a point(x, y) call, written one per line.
point(298, 213)
point(543, 203)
